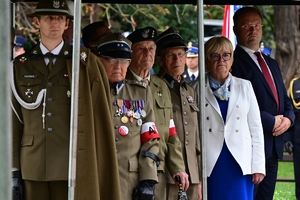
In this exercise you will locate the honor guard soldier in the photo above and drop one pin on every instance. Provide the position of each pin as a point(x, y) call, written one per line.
point(171, 57)
point(136, 135)
point(170, 155)
point(192, 72)
point(41, 101)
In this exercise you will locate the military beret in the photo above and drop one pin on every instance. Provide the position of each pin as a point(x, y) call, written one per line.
point(168, 39)
point(54, 7)
point(114, 45)
point(192, 51)
point(143, 34)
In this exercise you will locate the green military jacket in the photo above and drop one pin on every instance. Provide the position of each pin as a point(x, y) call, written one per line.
point(170, 154)
point(41, 133)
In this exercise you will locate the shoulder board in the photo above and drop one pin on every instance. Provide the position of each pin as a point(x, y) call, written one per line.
point(135, 82)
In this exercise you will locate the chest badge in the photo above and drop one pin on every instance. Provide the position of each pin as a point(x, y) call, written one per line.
point(29, 93)
point(190, 99)
point(123, 130)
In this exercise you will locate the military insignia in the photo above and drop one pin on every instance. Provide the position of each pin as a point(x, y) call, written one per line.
point(66, 53)
point(69, 93)
point(145, 33)
point(139, 122)
point(34, 52)
point(159, 93)
point(123, 130)
point(124, 119)
point(23, 59)
point(29, 93)
point(66, 75)
point(143, 113)
point(83, 56)
point(184, 76)
point(190, 99)
point(55, 4)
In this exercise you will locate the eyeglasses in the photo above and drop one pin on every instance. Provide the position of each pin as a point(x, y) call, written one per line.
point(173, 56)
point(217, 57)
point(255, 26)
point(114, 61)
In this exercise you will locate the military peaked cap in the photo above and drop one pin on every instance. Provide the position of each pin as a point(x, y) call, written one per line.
point(192, 51)
point(143, 34)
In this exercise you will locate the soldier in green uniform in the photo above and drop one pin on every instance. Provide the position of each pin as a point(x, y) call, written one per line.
point(41, 102)
point(170, 155)
point(136, 134)
point(171, 57)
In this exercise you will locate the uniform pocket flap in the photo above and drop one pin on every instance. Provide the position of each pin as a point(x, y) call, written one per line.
point(133, 166)
point(30, 82)
point(194, 107)
point(27, 140)
point(162, 103)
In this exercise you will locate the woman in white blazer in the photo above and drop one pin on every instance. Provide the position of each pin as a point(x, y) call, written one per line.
point(234, 136)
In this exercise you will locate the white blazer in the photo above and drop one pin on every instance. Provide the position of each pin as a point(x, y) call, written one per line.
point(242, 130)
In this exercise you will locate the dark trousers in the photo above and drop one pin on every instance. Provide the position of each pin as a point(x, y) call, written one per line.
point(265, 190)
point(44, 190)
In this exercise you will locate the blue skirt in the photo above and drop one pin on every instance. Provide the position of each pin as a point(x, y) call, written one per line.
point(227, 181)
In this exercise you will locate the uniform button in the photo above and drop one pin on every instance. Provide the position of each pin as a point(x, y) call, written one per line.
point(182, 94)
point(238, 118)
point(49, 129)
point(117, 139)
point(209, 130)
point(116, 127)
point(184, 113)
point(237, 106)
point(117, 151)
point(115, 103)
point(206, 104)
point(28, 84)
point(186, 143)
point(49, 83)
point(207, 118)
point(185, 123)
point(49, 114)
point(115, 93)
point(236, 130)
point(186, 133)
point(115, 115)
point(49, 99)
point(184, 103)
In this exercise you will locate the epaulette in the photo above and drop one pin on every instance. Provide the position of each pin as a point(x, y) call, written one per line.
point(135, 82)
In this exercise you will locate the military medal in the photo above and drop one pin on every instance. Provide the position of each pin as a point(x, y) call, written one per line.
point(29, 93)
point(142, 105)
point(139, 122)
point(83, 56)
point(190, 99)
point(123, 130)
point(124, 119)
point(69, 93)
point(23, 59)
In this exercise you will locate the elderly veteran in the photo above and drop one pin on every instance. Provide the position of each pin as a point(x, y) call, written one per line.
point(192, 72)
point(136, 134)
point(41, 120)
point(234, 134)
point(170, 155)
point(171, 57)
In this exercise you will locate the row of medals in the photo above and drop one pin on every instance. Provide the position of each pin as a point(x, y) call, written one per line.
point(130, 114)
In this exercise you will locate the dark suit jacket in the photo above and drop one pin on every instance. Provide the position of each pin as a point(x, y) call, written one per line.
point(244, 67)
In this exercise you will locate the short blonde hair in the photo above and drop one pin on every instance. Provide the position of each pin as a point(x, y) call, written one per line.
point(215, 45)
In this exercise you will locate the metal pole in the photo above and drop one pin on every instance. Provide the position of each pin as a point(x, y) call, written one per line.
point(201, 99)
point(74, 100)
point(5, 110)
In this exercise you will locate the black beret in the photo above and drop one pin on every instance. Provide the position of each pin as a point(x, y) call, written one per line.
point(143, 34)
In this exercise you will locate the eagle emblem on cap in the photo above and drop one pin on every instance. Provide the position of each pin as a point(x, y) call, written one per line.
point(145, 33)
point(55, 4)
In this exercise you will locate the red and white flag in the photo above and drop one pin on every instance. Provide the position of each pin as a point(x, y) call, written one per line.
point(227, 29)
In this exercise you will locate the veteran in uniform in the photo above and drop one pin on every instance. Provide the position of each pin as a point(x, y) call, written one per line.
point(170, 155)
point(171, 57)
point(136, 135)
point(41, 102)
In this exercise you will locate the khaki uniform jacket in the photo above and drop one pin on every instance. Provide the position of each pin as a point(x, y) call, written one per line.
point(133, 167)
point(185, 118)
point(41, 149)
point(170, 154)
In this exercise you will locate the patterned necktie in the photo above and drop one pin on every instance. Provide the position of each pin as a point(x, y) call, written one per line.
point(193, 77)
point(267, 75)
point(50, 56)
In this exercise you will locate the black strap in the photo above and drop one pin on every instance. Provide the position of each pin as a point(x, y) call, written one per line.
point(152, 156)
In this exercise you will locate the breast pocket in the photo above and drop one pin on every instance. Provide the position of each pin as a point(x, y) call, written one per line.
point(64, 91)
point(29, 89)
point(163, 110)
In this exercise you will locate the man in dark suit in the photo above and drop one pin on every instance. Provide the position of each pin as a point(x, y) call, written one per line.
point(275, 106)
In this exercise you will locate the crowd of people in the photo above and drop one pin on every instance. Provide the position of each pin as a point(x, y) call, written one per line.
point(138, 133)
